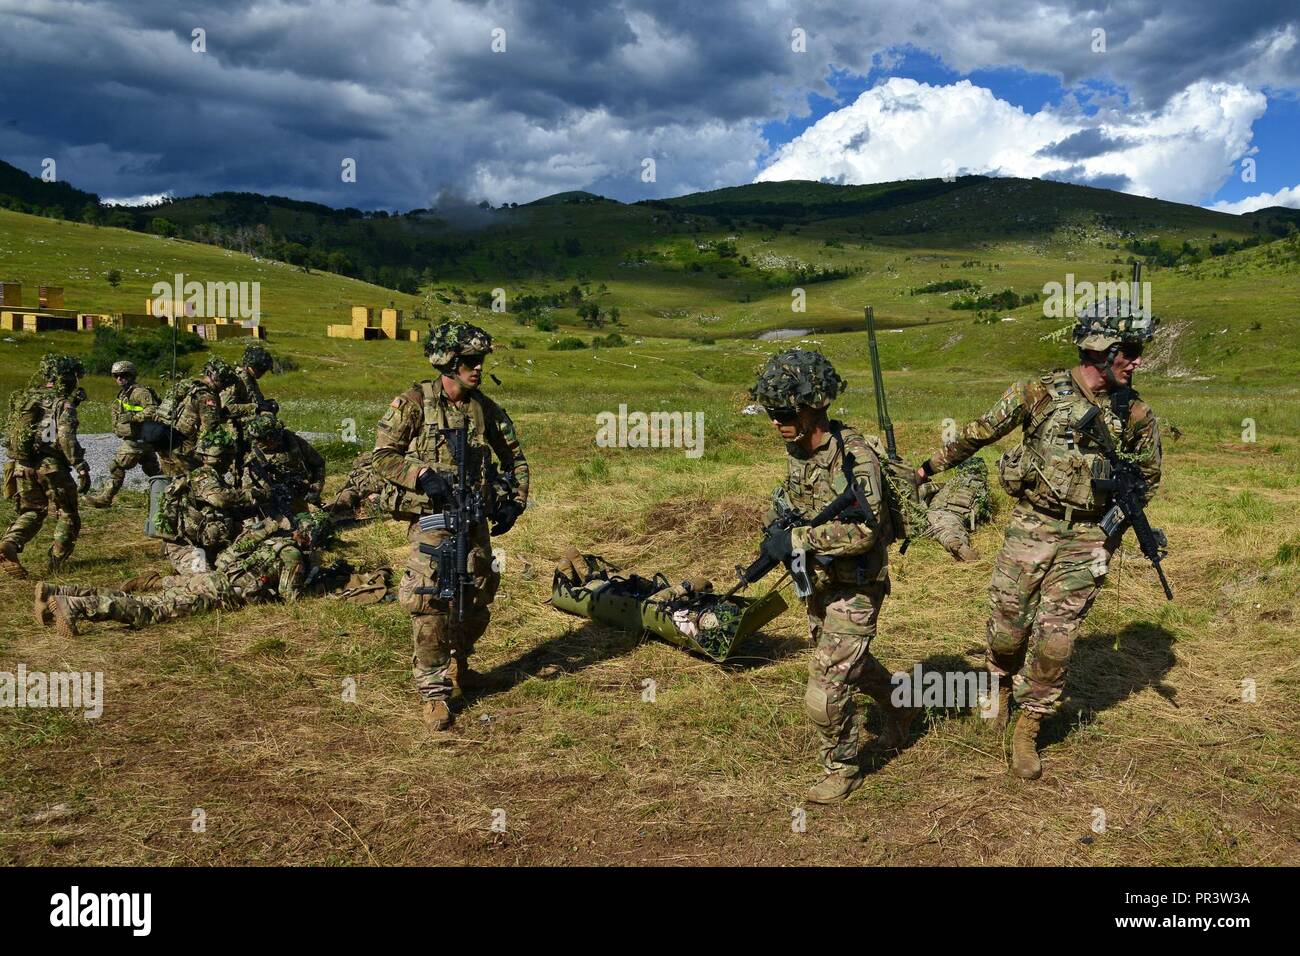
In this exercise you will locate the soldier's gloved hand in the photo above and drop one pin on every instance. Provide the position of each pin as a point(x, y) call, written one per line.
point(777, 545)
point(83, 478)
point(435, 486)
point(507, 514)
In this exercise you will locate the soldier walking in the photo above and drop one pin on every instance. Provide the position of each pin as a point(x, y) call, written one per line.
point(847, 561)
point(1054, 559)
point(411, 451)
point(42, 448)
point(132, 407)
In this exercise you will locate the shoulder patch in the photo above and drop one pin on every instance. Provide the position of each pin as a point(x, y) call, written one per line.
point(396, 403)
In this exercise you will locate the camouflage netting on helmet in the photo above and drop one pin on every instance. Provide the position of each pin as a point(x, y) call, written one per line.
point(453, 340)
point(797, 377)
point(1100, 331)
point(64, 369)
point(316, 525)
point(257, 358)
point(216, 442)
point(219, 371)
point(263, 428)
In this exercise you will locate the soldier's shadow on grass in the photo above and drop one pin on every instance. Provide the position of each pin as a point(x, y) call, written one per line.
point(578, 648)
point(1106, 669)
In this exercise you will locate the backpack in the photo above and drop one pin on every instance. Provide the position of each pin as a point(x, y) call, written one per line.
point(175, 408)
point(904, 517)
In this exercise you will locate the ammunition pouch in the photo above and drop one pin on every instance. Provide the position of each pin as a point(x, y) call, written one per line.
point(1013, 471)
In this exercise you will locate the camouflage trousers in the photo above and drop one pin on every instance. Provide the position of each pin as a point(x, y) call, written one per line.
point(186, 558)
point(129, 455)
point(175, 597)
point(841, 623)
point(948, 529)
point(1044, 582)
point(436, 634)
point(43, 490)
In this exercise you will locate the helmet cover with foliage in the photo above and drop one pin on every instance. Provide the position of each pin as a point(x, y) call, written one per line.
point(797, 377)
point(264, 428)
point(219, 371)
point(62, 370)
point(217, 442)
point(1098, 332)
point(315, 525)
point(123, 368)
point(257, 358)
point(451, 341)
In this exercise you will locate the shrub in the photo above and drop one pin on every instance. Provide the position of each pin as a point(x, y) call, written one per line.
point(567, 344)
point(150, 350)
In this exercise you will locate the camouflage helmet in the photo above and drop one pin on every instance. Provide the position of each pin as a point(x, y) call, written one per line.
point(452, 340)
point(257, 358)
point(123, 368)
point(316, 525)
point(1099, 331)
point(219, 371)
point(797, 377)
point(263, 428)
point(217, 442)
point(63, 369)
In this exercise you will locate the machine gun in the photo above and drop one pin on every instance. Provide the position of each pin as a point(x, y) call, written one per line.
point(1127, 488)
point(459, 517)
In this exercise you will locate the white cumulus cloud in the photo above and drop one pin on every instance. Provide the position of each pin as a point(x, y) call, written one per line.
point(1286, 196)
point(903, 129)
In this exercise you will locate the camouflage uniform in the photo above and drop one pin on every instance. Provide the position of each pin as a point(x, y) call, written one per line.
point(288, 459)
point(1054, 559)
point(362, 487)
point(848, 561)
point(42, 449)
point(131, 408)
point(197, 409)
point(955, 507)
point(408, 440)
point(264, 563)
point(243, 398)
point(214, 507)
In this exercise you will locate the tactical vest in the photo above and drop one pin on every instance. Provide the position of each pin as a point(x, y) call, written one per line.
point(129, 429)
point(257, 572)
point(32, 432)
point(430, 447)
point(1048, 468)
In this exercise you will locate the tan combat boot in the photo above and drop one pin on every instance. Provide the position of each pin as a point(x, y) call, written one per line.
point(99, 501)
point(437, 715)
point(966, 553)
point(65, 619)
point(43, 605)
point(9, 562)
point(834, 787)
point(1024, 746)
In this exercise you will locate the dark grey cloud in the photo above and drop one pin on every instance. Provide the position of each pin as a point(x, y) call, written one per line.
point(585, 92)
point(1078, 175)
point(1083, 145)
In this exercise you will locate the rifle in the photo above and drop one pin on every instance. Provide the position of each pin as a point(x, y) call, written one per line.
point(894, 469)
point(1127, 487)
point(786, 519)
point(281, 503)
point(882, 404)
point(467, 511)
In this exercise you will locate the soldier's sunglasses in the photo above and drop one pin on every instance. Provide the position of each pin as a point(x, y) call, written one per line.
point(472, 361)
point(1131, 350)
point(784, 416)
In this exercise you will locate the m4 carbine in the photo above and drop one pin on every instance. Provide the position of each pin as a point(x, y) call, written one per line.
point(463, 510)
point(1127, 488)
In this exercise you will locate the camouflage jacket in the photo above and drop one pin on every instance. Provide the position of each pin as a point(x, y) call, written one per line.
point(43, 430)
point(264, 562)
point(813, 481)
point(295, 464)
point(409, 439)
point(195, 412)
point(131, 407)
point(1053, 467)
point(215, 505)
point(242, 399)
